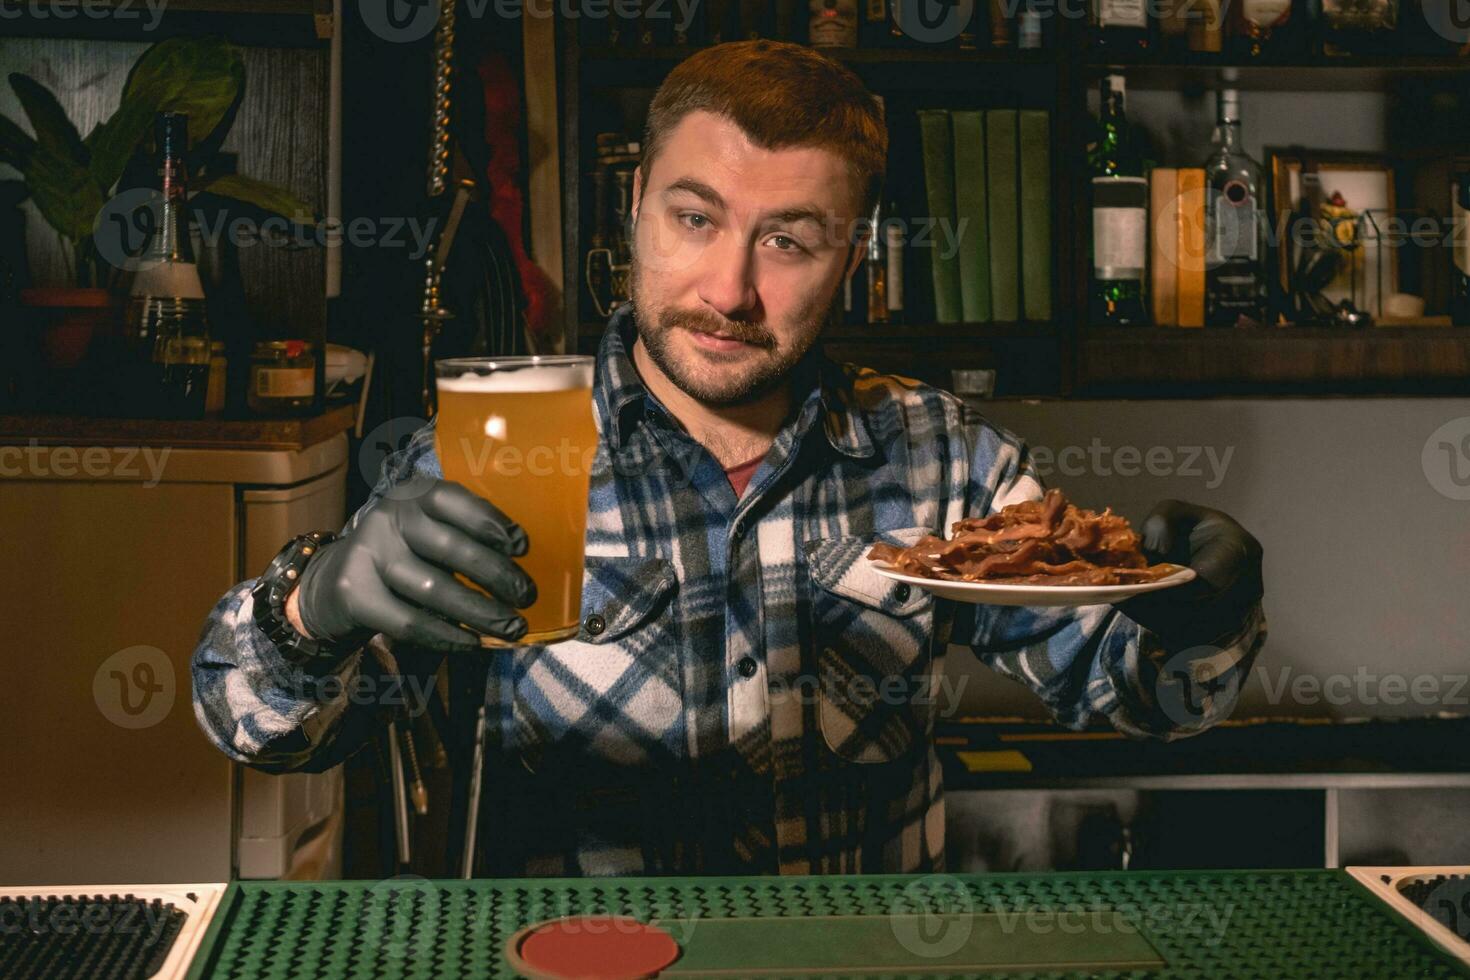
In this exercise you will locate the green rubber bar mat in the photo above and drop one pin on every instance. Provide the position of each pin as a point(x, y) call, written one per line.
point(1272, 925)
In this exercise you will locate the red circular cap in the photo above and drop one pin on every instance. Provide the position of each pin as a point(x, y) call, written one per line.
point(597, 947)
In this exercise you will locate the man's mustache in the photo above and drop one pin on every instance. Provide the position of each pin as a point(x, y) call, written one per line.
point(749, 333)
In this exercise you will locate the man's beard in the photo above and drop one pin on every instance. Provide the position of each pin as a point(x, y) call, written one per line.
point(710, 384)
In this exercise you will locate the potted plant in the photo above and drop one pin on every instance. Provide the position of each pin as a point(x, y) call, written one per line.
point(70, 177)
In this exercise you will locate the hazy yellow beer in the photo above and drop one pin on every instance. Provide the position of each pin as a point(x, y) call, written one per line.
point(519, 432)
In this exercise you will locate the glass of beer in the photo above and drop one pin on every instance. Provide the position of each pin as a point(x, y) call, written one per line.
point(519, 432)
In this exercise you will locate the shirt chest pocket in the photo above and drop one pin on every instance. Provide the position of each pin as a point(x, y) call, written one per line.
point(614, 692)
point(872, 638)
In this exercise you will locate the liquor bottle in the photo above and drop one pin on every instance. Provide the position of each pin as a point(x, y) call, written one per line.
point(167, 324)
point(1235, 228)
point(593, 30)
point(833, 24)
point(623, 27)
point(722, 21)
point(1004, 15)
point(893, 249)
point(1349, 27)
point(876, 267)
point(912, 24)
point(1206, 32)
point(874, 30)
point(1171, 39)
point(686, 28)
point(1261, 29)
point(1460, 246)
point(1119, 215)
point(1118, 25)
point(757, 20)
point(1030, 27)
point(791, 14)
point(652, 23)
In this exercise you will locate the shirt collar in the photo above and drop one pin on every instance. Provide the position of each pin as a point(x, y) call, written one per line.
point(621, 397)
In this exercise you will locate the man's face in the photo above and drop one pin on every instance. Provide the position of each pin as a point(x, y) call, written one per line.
point(738, 253)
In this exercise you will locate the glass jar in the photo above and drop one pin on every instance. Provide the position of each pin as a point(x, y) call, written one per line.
point(182, 365)
point(282, 377)
point(214, 396)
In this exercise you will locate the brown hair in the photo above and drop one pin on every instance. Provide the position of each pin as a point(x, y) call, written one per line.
point(781, 95)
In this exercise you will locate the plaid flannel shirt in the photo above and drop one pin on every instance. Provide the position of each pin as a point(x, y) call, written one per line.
point(750, 697)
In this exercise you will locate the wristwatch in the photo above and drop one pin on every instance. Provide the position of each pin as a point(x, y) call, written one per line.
point(270, 592)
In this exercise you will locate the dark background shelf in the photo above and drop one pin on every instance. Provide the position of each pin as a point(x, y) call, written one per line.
point(607, 88)
point(1305, 75)
point(271, 23)
point(1175, 362)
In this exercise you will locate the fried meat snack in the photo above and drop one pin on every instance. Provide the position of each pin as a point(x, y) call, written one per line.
point(1036, 542)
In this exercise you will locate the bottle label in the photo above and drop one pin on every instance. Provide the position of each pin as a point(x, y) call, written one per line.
point(1265, 13)
point(182, 350)
point(1119, 227)
point(1122, 13)
point(1204, 31)
point(1028, 31)
point(284, 382)
point(893, 235)
point(1232, 223)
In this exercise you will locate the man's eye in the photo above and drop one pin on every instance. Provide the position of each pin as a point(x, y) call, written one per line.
point(686, 218)
point(792, 246)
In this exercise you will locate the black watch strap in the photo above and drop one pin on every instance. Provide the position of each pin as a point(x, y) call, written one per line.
point(270, 592)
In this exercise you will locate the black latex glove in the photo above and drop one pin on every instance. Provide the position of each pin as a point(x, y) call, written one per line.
point(1226, 560)
point(393, 573)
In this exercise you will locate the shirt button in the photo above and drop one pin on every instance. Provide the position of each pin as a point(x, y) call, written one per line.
point(902, 592)
point(747, 667)
point(594, 624)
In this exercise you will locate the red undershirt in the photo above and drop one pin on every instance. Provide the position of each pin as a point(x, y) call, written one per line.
point(740, 474)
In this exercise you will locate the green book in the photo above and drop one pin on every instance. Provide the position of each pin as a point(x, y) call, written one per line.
point(1035, 140)
point(971, 223)
point(938, 148)
point(1000, 166)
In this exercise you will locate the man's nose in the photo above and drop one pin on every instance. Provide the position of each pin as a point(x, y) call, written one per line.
point(728, 282)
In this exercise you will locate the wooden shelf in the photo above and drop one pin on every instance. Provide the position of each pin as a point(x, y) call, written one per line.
point(592, 54)
point(909, 333)
point(1174, 362)
point(1308, 74)
point(252, 433)
point(267, 23)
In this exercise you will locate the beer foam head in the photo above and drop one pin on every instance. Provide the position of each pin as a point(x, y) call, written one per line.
point(543, 377)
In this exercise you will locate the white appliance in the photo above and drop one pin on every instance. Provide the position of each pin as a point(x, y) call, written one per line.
point(111, 557)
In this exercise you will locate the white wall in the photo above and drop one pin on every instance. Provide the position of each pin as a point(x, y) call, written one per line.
point(1367, 562)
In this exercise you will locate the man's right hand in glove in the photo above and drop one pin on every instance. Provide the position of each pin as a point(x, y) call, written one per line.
point(394, 573)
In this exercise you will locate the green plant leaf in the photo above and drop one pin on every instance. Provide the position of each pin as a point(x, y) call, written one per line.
point(65, 193)
point(16, 145)
point(265, 196)
point(55, 134)
point(200, 76)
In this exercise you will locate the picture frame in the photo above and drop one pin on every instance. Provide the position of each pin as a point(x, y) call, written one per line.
point(1366, 182)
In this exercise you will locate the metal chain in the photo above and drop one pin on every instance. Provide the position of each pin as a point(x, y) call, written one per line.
point(443, 83)
point(430, 312)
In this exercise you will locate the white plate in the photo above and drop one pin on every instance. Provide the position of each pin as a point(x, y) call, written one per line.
point(1002, 594)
